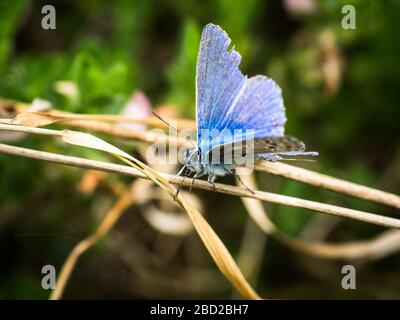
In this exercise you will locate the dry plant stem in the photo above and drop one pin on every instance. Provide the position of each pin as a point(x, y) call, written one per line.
point(282, 169)
point(227, 189)
point(386, 243)
point(107, 223)
point(214, 245)
point(212, 242)
point(383, 245)
point(151, 121)
point(378, 247)
point(144, 136)
point(62, 116)
point(277, 168)
point(330, 183)
point(251, 250)
point(42, 131)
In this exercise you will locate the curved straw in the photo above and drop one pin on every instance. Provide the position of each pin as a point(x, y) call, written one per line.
point(382, 245)
point(277, 168)
point(214, 245)
point(261, 195)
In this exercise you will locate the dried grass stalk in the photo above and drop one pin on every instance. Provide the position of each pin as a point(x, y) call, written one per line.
point(380, 246)
point(261, 195)
point(107, 223)
point(214, 245)
point(92, 122)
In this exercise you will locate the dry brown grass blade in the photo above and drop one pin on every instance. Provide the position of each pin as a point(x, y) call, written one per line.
point(330, 183)
point(277, 168)
point(251, 252)
point(214, 245)
point(382, 245)
point(231, 190)
point(150, 137)
point(35, 118)
point(151, 121)
point(31, 119)
point(109, 220)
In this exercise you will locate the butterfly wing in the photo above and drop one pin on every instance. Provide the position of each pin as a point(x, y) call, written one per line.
point(277, 145)
point(248, 150)
point(218, 80)
point(227, 100)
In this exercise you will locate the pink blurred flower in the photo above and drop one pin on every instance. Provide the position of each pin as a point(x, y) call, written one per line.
point(138, 107)
point(300, 6)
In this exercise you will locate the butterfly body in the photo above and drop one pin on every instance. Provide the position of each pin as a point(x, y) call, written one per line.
point(198, 164)
point(239, 119)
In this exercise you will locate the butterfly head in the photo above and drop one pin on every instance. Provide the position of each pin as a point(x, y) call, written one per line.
point(191, 159)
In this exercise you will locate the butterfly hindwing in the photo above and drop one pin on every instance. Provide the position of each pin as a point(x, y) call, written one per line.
point(257, 148)
point(278, 144)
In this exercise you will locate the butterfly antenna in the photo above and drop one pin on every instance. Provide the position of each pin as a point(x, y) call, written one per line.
point(183, 169)
point(171, 126)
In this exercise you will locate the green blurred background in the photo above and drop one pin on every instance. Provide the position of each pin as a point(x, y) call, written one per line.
point(341, 90)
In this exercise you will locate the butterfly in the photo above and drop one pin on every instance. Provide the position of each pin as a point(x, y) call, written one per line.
point(236, 116)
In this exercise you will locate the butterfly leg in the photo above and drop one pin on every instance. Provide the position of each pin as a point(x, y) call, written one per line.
point(196, 175)
point(239, 179)
point(211, 179)
point(185, 172)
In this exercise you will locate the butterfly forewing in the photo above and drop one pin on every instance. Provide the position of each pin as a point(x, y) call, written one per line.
point(227, 100)
point(218, 78)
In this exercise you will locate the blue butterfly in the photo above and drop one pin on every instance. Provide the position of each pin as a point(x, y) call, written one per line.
point(231, 107)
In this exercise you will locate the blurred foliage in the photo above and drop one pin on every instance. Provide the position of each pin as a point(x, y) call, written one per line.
point(341, 91)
